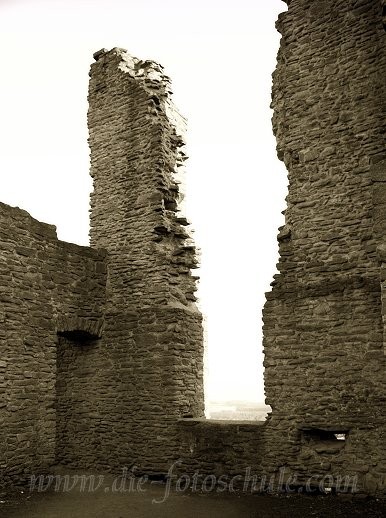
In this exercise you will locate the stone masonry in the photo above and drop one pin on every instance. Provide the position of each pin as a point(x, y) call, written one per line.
point(151, 351)
point(324, 320)
point(102, 347)
point(323, 327)
point(102, 350)
point(49, 290)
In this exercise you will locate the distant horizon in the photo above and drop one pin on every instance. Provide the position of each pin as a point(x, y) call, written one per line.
point(237, 401)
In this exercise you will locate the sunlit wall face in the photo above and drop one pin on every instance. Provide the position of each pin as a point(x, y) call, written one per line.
point(220, 56)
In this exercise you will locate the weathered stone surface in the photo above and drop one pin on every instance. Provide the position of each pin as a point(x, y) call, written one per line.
point(102, 347)
point(324, 351)
point(324, 318)
point(151, 352)
point(43, 281)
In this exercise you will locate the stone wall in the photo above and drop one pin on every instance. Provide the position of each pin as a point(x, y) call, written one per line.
point(323, 329)
point(152, 348)
point(233, 449)
point(102, 349)
point(46, 287)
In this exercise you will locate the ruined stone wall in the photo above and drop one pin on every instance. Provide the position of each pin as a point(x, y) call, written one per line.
point(323, 329)
point(102, 351)
point(152, 346)
point(46, 287)
point(228, 449)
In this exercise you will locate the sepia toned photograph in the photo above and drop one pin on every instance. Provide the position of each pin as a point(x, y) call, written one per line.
point(192, 259)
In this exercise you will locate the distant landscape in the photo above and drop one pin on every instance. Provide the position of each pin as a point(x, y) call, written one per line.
point(237, 410)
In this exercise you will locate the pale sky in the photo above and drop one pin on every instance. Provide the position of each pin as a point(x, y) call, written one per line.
point(220, 55)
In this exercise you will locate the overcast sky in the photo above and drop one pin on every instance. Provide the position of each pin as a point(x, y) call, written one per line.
point(220, 55)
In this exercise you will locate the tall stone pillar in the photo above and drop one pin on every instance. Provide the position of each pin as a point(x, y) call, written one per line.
point(152, 341)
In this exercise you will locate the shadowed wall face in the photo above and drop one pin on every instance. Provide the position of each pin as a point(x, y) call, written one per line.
point(323, 329)
point(152, 342)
